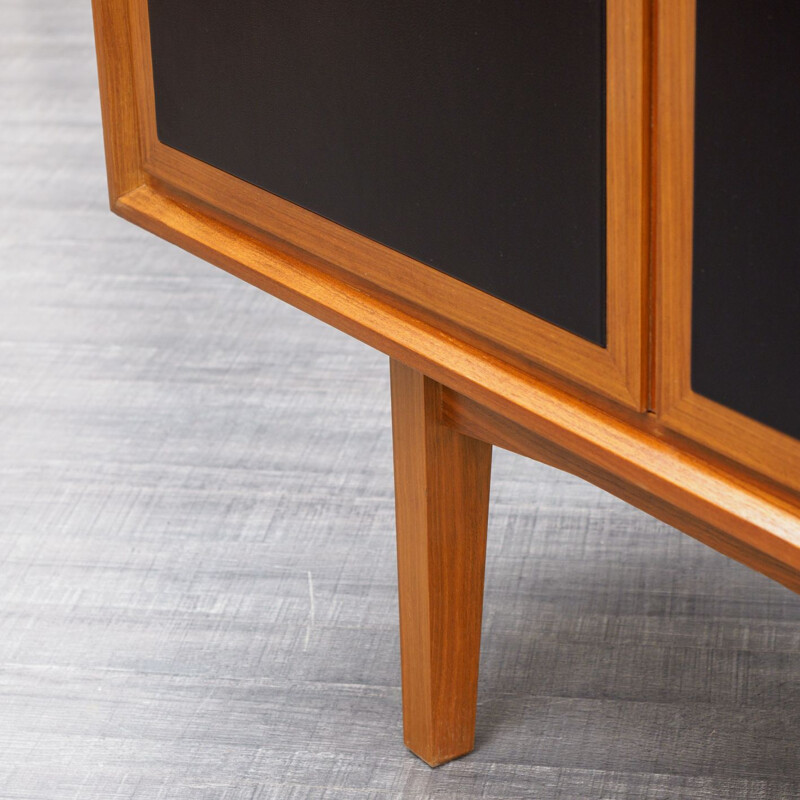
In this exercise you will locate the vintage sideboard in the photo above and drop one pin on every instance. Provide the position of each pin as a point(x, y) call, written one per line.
point(573, 225)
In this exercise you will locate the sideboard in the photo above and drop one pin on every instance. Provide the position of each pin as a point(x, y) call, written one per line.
point(573, 226)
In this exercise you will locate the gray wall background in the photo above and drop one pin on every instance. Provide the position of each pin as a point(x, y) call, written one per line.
point(197, 577)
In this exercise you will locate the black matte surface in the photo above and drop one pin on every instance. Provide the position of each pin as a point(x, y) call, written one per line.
point(746, 293)
point(469, 135)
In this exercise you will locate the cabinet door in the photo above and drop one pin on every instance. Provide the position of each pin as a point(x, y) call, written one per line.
point(728, 236)
point(482, 163)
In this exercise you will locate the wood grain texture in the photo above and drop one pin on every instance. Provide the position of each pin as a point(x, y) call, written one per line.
point(442, 498)
point(633, 454)
point(178, 451)
point(756, 445)
point(471, 419)
point(616, 371)
point(634, 450)
point(118, 88)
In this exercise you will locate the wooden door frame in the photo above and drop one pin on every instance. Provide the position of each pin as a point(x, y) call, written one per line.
point(726, 431)
point(617, 371)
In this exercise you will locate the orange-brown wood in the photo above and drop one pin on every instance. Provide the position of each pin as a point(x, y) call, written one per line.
point(500, 376)
point(715, 530)
point(759, 447)
point(634, 452)
point(442, 501)
point(616, 371)
point(118, 93)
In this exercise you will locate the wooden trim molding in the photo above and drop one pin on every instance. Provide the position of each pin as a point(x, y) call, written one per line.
point(635, 462)
point(729, 533)
point(726, 431)
point(616, 371)
point(118, 95)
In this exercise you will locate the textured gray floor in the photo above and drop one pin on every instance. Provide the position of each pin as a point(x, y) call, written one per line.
point(197, 580)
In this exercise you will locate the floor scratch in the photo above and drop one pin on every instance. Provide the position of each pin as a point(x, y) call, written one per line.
point(310, 609)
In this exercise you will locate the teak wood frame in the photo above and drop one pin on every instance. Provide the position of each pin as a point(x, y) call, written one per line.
point(460, 383)
point(616, 371)
point(727, 431)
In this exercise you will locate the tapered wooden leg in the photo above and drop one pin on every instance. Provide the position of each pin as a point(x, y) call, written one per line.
point(442, 504)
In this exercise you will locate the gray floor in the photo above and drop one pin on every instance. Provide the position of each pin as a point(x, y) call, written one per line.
point(197, 580)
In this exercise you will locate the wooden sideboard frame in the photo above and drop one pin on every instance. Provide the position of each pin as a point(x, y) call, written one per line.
point(455, 393)
point(632, 456)
point(616, 371)
point(752, 443)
